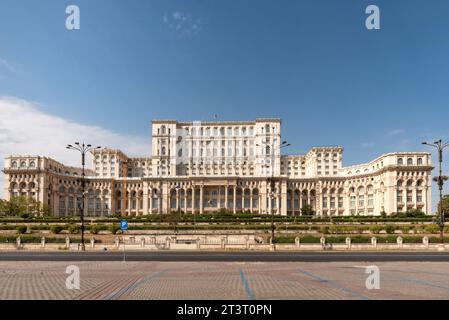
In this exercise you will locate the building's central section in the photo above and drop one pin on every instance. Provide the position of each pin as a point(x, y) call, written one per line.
point(243, 148)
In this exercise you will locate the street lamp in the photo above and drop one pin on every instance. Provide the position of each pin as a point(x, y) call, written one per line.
point(83, 149)
point(272, 193)
point(440, 179)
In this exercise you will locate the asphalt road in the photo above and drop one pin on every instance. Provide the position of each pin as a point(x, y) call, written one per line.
point(227, 256)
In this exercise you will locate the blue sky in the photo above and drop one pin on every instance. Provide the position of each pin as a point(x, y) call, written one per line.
point(311, 63)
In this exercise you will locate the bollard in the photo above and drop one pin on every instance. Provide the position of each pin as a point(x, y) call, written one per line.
point(246, 243)
point(222, 243)
point(167, 243)
point(348, 243)
point(198, 242)
point(117, 242)
point(67, 243)
point(43, 242)
point(92, 243)
point(399, 241)
point(323, 241)
point(374, 242)
point(153, 240)
point(297, 242)
point(18, 242)
point(132, 239)
point(425, 242)
point(142, 242)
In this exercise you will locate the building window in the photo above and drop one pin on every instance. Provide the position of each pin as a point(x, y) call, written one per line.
point(399, 196)
point(419, 196)
point(409, 161)
point(409, 196)
point(361, 200)
point(419, 162)
point(353, 199)
point(400, 162)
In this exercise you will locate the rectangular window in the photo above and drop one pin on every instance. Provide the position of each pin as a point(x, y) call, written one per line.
point(409, 196)
point(419, 196)
point(361, 201)
point(399, 196)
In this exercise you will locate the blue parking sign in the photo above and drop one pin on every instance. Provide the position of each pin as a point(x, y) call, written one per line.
point(124, 225)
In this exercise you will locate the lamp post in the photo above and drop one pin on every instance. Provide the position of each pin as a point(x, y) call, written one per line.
point(83, 149)
point(440, 179)
point(272, 185)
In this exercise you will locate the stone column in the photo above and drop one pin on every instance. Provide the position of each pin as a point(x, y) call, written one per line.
point(251, 200)
point(193, 200)
point(235, 199)
point(137, 203)
point(283, 207)
point(201, 199)
point(145, 198)
point(226, 197)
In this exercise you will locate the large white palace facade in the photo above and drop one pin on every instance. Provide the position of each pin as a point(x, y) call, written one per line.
point(237, 166)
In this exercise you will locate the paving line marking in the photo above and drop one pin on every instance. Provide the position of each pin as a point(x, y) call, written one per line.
point(249, 291)
point(420, 282)
point(117, 294)
point(333, 284)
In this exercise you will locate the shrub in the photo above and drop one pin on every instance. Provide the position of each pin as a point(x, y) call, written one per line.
point(24, 215)
point(432, 228)
point(73, 228)
point(405, 229)
point(114, 227)
point(375, 229)
point(21, 229)
point(390, 229)
point(94, 229)
point(324, 230)
point(56, 229)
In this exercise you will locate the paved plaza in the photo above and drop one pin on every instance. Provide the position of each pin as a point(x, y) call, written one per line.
point(223, 280)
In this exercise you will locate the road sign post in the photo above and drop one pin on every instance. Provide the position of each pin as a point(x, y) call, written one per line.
point(124, 227)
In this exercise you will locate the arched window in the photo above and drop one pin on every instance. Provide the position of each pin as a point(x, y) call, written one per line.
point(409, 183)
point(419, 161)
point(400, 162)
point(409, 161)
point(163, 151)
point(23, 164)
point(399, 184)
point(14, 164)
point(163, 129)
point(32, 164)
point(419, 183)
point(61, 189)
point(32, 185)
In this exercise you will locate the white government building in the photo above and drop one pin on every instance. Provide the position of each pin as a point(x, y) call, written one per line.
point(198, 167)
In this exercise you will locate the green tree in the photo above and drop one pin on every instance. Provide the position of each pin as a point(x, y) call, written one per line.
point(307, 210)
point(16, 205)
point(444, 205)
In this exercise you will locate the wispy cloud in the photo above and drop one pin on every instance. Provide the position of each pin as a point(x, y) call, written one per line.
point(24, 129)
point(6, 65)
point(395, 132)
point(182, 23)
